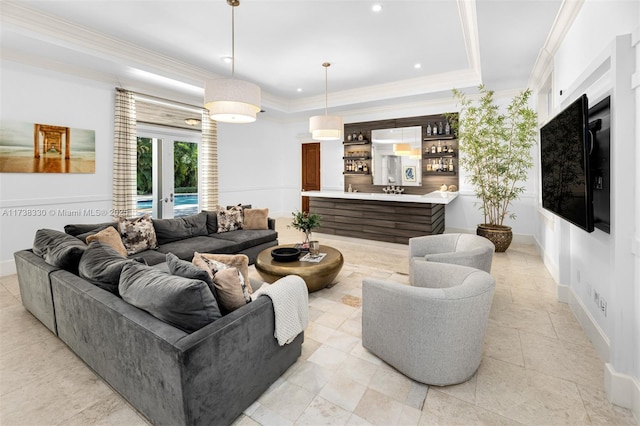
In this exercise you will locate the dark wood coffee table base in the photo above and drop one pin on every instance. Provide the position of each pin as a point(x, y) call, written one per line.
point(316, 275)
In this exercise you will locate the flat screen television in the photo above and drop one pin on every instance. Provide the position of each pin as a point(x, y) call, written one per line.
point(565, 147)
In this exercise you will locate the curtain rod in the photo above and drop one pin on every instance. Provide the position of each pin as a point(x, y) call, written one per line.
point(170, 101)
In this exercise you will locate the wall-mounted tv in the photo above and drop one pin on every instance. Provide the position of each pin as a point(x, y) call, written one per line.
point(565, 146)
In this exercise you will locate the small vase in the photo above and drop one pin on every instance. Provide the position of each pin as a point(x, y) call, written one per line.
point(307, 238)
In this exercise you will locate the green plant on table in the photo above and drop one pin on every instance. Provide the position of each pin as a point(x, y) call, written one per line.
point(305, 222)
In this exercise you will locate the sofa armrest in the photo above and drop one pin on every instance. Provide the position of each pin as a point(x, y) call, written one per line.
point(35, 286)
point(234, 360)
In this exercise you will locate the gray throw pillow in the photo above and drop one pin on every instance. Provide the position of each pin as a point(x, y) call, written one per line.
point(186, 269)
point(182, 302)
point(102, 265)
point(59, 249)
point(75, 229)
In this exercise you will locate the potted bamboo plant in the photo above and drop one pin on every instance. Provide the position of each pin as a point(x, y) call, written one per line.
point(495, 152)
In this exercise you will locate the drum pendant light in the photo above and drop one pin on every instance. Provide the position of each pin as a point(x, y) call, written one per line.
point(230, 100)
point(326, 127)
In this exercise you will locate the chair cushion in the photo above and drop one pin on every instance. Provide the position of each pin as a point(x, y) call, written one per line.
point(185, 303)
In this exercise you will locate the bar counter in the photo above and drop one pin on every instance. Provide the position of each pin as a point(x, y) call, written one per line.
point(378, 216)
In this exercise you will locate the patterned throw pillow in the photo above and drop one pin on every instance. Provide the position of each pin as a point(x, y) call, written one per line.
point(109, 236)
point(229, 219)
point(138, 234)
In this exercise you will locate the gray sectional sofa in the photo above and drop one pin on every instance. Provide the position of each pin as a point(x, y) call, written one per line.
point(172, 377)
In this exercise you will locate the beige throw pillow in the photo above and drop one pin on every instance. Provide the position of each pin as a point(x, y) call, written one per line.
point(230, 290)
point(256, 219)
point(111, 237)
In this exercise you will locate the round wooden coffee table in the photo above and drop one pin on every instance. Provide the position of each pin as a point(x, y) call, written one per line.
point(316, 275)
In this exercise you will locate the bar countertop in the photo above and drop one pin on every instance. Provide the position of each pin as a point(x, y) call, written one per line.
point(435, 197)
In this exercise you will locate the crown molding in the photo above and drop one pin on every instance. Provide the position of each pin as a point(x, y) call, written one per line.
point(31, 23)
point(569, 10)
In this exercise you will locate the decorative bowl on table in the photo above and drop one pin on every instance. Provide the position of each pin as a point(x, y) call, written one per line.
point(285, 254)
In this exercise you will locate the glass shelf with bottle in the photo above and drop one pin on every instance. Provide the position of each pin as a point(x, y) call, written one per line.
point(434, 166)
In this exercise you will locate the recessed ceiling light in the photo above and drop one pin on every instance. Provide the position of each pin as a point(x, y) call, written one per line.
point(376, 7)
point(227, 59)
point(417, 66)
point(299, 90)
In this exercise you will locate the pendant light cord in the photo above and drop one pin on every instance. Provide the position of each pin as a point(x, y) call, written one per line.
point(233, 41)
point(326, 66)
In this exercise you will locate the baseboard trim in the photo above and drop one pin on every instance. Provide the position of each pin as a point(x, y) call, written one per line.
point(517, 238)
point(622, 390)
point(591, 328)
point(7, 267)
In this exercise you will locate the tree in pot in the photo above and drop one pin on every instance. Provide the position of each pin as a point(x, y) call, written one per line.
point(495, 152)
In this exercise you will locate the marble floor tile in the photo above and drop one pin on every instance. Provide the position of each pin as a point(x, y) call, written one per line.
point(323, 412)
point(443, 409)
point(343, 392)
point(503, 343)
point(287, 400)
point(379, 409)
point(328, 357)
point(522, 317)
point(308, 375)
point(111, 411)
point(601, 411)
point(357, 369)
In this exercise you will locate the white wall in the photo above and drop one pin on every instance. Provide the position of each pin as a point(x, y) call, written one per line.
point(33, 95)
point(585, 263)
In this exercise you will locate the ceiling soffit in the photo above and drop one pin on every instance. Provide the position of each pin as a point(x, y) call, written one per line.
point(124, 58)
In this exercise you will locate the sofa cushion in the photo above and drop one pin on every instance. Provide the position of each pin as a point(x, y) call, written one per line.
point(110, 236)
point(137, 233)
point(184, 249)
point(255, 219)
point(212, 221)
point(168, 230)
point(101, 265)
point(59, 249)
point(247, 238)
point(150, 257)
point(182, 302)
point(83, 228)
point(186, 269)
point(229, 219)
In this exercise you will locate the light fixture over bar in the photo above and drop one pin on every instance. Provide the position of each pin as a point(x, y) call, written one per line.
point(326, 127)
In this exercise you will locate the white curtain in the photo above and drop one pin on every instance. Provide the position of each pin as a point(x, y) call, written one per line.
point(124, 155)
point(209, 162)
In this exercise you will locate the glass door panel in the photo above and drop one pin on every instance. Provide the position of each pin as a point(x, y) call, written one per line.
point(167, 176)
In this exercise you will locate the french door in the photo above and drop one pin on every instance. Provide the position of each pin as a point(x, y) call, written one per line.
point(167, 172)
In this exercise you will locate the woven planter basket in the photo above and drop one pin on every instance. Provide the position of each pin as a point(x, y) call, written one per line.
point(499, 235)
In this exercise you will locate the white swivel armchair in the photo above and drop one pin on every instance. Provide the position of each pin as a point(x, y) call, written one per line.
point(432, 331)
point(460, 249)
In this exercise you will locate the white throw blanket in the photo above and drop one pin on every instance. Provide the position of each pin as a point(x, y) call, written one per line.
point(290, 299)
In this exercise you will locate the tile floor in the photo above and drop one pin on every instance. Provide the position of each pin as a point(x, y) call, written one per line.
point(538, 366)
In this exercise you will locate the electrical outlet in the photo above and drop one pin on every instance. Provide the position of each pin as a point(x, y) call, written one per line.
point(603, 306)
